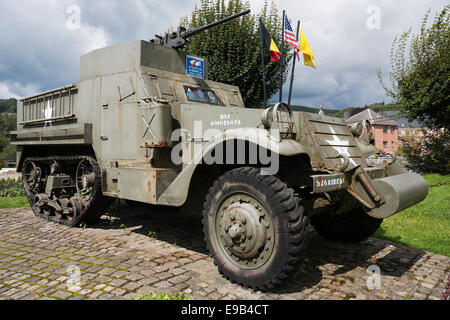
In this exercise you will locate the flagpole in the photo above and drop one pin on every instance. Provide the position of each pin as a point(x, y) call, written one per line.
point(293, 67)
point(262, 63)
point(282, 57)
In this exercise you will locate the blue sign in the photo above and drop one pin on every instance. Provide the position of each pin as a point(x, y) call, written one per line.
point(195, 67)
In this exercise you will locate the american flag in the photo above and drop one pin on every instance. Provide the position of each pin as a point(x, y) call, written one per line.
point(289, 36)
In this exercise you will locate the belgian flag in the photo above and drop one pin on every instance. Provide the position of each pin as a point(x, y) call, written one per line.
point(268, 43)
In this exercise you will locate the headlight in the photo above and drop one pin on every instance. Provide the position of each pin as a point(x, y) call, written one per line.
point(267, 118)
point(357, 129)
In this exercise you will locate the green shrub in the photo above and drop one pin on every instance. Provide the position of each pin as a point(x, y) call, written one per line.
point(428, 154)
point(11, 188)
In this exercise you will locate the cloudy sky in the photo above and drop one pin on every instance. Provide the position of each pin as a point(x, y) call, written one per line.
point(41, 41)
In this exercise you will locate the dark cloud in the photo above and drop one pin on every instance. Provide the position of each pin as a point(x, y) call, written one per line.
point(347, 52)
point(39, 52)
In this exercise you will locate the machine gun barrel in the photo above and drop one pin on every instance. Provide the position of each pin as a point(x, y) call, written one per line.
point(176, 40)
point(195, 31)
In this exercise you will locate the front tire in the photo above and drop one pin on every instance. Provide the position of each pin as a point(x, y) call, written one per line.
point(349, 227)
point(254, 228)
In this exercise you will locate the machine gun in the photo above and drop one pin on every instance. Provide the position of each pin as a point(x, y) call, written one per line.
point(178, 39)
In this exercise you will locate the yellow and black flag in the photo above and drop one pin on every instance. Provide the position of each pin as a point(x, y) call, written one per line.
point(305, 48)
point(269, 44)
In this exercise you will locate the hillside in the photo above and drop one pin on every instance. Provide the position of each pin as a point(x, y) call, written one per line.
point(328, 112)
point(377, 107)
point(7, 124)
point(8, 105)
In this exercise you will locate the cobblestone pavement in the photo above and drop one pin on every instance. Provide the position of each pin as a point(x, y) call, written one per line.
point(133, 251)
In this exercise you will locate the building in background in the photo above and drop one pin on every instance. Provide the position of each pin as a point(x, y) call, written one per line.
point(385, 129)
point(406, 128)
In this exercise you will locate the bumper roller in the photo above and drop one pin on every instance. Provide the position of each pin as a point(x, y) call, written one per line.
point(399, 192)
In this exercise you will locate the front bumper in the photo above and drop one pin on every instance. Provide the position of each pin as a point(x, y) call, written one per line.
point(399, 192)
point(381, 192)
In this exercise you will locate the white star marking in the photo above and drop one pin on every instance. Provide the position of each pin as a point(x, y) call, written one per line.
point(340, 150)
point(48, 114)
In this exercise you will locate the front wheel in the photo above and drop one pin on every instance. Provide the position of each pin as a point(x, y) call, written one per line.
point(254, 228)
point(349, 227)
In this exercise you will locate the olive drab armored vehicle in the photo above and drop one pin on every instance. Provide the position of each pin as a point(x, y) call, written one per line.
point(146, 125)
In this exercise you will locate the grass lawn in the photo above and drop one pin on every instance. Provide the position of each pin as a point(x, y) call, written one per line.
point(425, 225)
point(15, 202)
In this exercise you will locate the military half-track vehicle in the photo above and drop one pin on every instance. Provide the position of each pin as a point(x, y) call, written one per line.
point(146, 125)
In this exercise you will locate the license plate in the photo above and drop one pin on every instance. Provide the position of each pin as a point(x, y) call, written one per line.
point(329, 182)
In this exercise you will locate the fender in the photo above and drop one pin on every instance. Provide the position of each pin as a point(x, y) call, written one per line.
point(177, 192)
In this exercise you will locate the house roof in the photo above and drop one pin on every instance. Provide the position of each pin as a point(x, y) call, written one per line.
point(405, 123)
point(372, 117)
point(402, 122)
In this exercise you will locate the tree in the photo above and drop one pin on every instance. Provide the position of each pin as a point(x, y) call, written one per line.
point(233, 48)
point(8, 105)
point(430, 153)
point(7, 124)
point(356, 111)
point(420, 76)
point(420, 86)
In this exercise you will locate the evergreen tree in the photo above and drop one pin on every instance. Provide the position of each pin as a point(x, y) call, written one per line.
point(233, 48)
